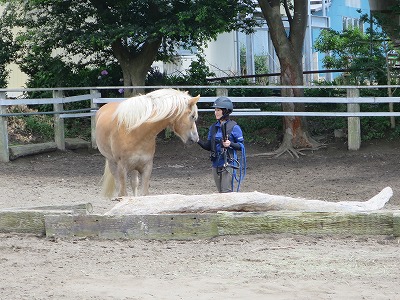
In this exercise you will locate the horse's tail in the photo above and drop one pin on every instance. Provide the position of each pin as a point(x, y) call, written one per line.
point(108, 182)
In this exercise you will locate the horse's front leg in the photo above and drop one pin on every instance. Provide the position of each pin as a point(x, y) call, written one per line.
point(135, 182)
point(146, 174)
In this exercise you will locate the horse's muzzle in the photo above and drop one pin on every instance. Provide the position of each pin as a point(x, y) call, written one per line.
point(193, 138)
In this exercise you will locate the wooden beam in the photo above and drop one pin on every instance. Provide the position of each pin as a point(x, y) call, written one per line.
point(353, 123)
point(396, 223)
point(198, 226)
point(27, 221)
point(159, 227)
point(17, 151)
point(4, 155)
point(32, 220)
point(376, 223)
point(59, 128)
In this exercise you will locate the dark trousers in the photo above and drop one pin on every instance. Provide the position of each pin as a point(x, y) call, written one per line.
point(223, 179)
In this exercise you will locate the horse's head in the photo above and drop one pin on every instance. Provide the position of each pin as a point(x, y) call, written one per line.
point(185, 125)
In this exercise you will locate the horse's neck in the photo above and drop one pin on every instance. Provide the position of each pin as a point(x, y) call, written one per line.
point(153, 129)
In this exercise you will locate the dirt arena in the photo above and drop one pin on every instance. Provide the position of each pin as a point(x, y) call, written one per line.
point(230, 267)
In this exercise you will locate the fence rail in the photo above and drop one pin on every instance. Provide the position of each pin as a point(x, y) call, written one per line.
point(352, 100)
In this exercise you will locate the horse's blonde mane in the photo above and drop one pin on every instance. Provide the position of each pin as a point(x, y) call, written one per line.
point(152, 107)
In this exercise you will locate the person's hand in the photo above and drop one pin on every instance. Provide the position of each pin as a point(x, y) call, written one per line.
point(226, 143)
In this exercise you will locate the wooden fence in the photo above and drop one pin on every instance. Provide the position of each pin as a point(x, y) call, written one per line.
point(352, 100)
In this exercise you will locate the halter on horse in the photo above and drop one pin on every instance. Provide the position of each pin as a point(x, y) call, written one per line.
point(126, 135)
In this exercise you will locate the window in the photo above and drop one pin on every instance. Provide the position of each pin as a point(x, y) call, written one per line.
point(352, 23)
point(353, 3)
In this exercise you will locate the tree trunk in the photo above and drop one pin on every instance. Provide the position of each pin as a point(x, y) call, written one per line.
point(135, 65)
point(296, 134)
point(289, 48)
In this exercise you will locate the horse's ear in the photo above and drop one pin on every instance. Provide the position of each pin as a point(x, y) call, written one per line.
point(194, 100)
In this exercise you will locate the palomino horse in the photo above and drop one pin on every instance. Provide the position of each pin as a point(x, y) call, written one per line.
point(126, 135)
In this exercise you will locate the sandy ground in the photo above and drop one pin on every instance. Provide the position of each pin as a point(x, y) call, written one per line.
point(230, 267)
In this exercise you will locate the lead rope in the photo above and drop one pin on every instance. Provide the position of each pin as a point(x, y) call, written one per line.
point(241, 166)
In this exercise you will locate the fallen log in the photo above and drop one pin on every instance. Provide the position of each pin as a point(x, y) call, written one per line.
point(240, 202)
point(17, 151)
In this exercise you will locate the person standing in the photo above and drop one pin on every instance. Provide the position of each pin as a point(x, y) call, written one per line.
point(225, 139)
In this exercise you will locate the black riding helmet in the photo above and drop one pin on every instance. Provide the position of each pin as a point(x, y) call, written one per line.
point(224, 103)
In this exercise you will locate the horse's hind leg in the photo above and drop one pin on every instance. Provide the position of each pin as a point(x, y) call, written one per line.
point(108, 181)
point(135, 182)
point(120, 177)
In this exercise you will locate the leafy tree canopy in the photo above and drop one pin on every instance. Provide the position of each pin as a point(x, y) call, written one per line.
point(7, 50)
point(135, 33)
point(363, 54)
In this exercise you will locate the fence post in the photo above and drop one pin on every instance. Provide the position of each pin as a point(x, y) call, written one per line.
point(353, 123)
point(4, 153)
point(93, 121)
point(59, 130)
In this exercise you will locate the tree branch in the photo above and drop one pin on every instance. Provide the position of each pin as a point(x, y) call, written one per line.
point(287, 11)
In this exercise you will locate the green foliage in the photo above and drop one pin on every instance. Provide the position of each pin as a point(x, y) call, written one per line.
point(7, 49)
point(242, 59)
point(394, 133)
point(29, 128)
point(41, 126)
point(261, 129)
point(374, 127)
point(260, 62)
point(47, 71)
point(85, 33)
point(246, 92)
point(318, 126)
point(371, 127)
point(363, 54)
point(198, 71)
point(196, 74)
point(78, 128)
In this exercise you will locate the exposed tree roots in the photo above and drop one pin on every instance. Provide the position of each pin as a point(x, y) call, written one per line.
point(288, 148)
